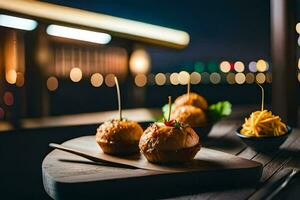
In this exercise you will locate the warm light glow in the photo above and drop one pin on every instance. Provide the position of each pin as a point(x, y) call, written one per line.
point(252, 66)
point(298, 28)
point(2, 113)
point(299, 76)
point(299, 63)
point(215, 78)
point(140, 80)
point(239, 66)
point(160, 79)
point(225, 66)
point(52, 83)
point(195, 78)
point(125, 27)
point(230, 78)
point(139, 62)
point(76, 74)
point(20, 79)
point(110, 80)
point(11, 76)
point(174, 78)
point(262, 65)
point(269, 77)
point(78, 34)
point(260, 78)
point(8, 98)
point(240, 78)
point(183, 77)
point(96, 80)
point(250, 78)
point(17, 22)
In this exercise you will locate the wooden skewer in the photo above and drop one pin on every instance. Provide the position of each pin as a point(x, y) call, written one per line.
point(262, 96)
point(170, 107)
point(119, 97)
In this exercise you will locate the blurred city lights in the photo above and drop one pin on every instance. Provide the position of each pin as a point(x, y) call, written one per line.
point(8, 98)
point(298, 28)
point(215, 78)
point(260, 78)
point(252, 66)
point(11, 76)
point(269, 77)
point(240, 78)
point(183, 77)
point(174, 78)
point(20, 79)
point(299, 76)
point(239, 66)
point(205, 78)
point(139, 62)
point(52, 83)
point(140, 80)
point(2, 113)
point(76, 74)
point(78, 34)
point(250, 78)
point(195, 78)
point(262, 65)
point(160, 79)
point(17, 22)
point(96, 80)
point(212, 66)
point(110, 80)
point(230, 78)
point(225, 66)
point(199, 67)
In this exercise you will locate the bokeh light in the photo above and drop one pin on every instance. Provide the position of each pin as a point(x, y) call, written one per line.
point(96, 80)
point(250, 78)
point(160, 79)
point(240, 78)
point(298, 28)
point(239, 66)
point(11, 76)
point(140, 80)
point(52, 83)
point(2, 113)
point(215, 78)
point(139, 61)
point(299, 63)
point(174, 78)
point(183, 77)
point(195, 78)
point(262, 65)
point(252, 66)
point(269, 77)
point(299, 76)
point(8, 98)
point(75, 74)
point(110, 80)
point(225, 66)
point(199, 67)
point(230, 78)
point(260, 78)
point(20, 79)
point(205, 78)
point(212, 66)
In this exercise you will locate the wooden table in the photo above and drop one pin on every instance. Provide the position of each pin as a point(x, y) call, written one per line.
point(222, 138)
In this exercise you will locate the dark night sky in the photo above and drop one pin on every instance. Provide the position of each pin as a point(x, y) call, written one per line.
point(227, 29)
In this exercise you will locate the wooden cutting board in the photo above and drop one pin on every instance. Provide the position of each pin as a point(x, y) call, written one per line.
point(67, 176)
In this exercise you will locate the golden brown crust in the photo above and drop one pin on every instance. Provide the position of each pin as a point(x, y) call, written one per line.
point(181, 155)
point(160, 143)
point(119, 137)
point(192, 99)
point(191, 115)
